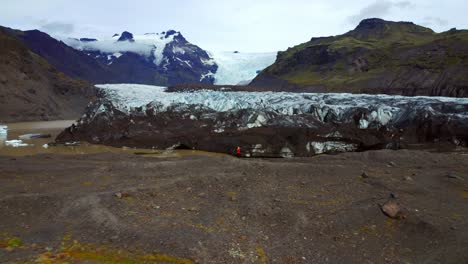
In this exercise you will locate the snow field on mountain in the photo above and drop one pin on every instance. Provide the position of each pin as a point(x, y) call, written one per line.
point(145, 45)
point(240, 68)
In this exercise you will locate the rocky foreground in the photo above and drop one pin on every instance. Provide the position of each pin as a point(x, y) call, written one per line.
point(268, 124)
point(122, 208)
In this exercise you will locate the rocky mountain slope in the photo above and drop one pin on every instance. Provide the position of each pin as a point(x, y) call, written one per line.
point(165, 58)
point(174, 59)
point(32, 89)
point(267, 123)
point(73, 63)
point(377, 57)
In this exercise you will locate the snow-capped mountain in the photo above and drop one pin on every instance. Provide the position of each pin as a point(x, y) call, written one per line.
point(174, 58)
point(158, 58)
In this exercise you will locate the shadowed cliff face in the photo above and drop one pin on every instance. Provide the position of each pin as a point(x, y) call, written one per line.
point(31, 89)
point(268, 124)
point(377, 57)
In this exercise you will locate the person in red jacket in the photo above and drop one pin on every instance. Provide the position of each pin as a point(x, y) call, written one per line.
point(238, 151)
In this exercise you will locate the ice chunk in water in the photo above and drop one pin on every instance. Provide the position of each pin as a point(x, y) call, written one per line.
point(16, 143)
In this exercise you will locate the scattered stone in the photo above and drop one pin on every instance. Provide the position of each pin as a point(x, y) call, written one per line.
point(408, 178)
point(121, 195)
point(364, 175)
point(453, 176)
point(391, 164)
point(392, 209)
point(193, 209)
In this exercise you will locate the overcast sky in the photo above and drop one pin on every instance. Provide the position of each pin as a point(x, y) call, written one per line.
point(245, 25)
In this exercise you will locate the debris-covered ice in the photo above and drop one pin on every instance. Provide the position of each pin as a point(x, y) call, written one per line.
point(274, 124)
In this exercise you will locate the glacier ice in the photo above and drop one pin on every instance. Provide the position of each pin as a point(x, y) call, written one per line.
point(240, 68)
point(16, 143)
point(382, 109)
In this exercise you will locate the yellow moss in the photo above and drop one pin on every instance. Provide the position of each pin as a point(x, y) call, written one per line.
point(89, 253)
point(456, 216)
point(163, 258)
point(328, 203)
point(261, 255)
point(202, 227)
point(297, 201)
point(465, 194)
point(390, 224)
point(231, 194)
point(14, 242)
point(87, 182)
point(371, 230)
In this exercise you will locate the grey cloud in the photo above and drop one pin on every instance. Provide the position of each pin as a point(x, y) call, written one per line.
point(58, 28)
point(377, 9)
point(435, 21)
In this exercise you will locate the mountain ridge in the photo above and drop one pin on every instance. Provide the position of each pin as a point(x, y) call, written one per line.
point(378, 56)
point(32, 89)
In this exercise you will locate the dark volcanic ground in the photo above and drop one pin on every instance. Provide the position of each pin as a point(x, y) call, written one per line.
point(122, 208)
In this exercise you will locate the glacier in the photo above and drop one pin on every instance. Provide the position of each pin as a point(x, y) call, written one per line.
point(270, 124)
point(239, 68)
point(382, 108)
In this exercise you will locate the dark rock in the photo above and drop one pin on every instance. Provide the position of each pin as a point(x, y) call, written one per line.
point(170, 33)
point(126, 36)
point(88, 39)
point(453, 176)
point(364, 175)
